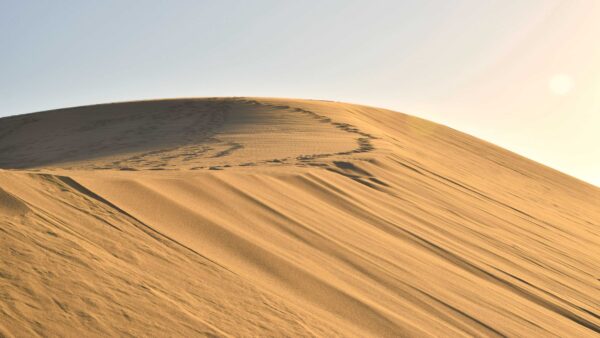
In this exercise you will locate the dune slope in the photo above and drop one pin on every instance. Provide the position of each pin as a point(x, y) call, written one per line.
point(273, 217)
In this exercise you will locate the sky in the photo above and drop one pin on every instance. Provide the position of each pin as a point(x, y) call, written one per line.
point(522, 74)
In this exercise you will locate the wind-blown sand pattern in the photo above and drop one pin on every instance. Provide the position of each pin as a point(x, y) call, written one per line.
point(272, 217)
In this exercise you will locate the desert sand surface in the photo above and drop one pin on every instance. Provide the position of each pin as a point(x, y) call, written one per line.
point(242, 217)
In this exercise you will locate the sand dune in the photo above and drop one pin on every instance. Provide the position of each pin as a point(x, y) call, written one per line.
point(272, 217)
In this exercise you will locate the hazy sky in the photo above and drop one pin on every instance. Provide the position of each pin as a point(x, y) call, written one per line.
point(522, 74)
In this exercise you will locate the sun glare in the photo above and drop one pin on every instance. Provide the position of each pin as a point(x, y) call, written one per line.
point(561, 84)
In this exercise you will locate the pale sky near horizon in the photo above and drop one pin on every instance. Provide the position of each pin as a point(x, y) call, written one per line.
point(521, 74)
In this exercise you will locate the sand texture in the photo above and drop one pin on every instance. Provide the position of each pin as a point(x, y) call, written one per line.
point(250, 217)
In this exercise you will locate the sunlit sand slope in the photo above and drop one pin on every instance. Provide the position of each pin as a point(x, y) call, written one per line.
point(271, 217)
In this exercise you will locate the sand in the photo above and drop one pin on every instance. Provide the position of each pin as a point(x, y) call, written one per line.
point(273, 217)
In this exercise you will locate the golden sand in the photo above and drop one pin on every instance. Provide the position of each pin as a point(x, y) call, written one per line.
point(273, 217)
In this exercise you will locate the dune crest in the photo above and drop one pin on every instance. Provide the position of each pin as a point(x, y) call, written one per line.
point(11, 206)
point(275, 217)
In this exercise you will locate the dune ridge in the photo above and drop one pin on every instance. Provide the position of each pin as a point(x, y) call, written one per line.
point(280, 217)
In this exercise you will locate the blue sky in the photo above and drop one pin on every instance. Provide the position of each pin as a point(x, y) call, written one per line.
point(522, 74)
